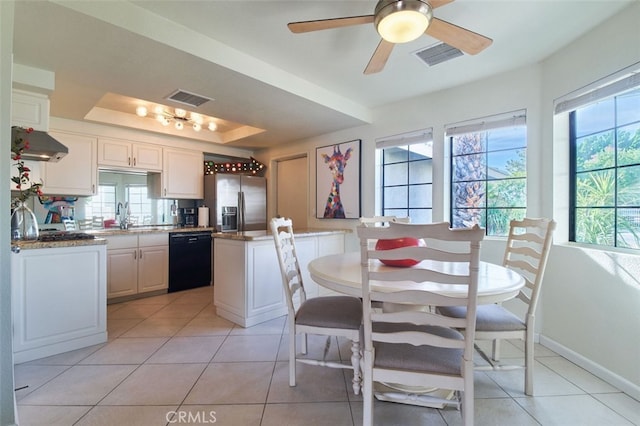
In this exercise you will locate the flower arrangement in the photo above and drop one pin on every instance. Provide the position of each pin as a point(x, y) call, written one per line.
point(24, 187)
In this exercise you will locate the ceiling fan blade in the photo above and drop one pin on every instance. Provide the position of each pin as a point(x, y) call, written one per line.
point(379, 58)
point(325, 24)
point(458, 37)
point(437, 3)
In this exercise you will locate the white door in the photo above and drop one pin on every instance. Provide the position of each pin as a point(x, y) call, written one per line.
point(292, 189)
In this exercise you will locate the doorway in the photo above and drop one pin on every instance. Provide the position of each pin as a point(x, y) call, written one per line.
point(292, 187)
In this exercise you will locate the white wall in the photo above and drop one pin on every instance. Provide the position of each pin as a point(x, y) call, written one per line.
point(7, 401)
point(591, 300)
point(590, 311)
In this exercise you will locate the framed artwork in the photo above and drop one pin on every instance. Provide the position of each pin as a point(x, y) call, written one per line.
point(338, 181)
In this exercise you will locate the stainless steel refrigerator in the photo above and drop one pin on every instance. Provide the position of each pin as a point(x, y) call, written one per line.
point(236, 202)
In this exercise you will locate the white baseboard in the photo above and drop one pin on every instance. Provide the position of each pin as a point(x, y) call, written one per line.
point(608, 376)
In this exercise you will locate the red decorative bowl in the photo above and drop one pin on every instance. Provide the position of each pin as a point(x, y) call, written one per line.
point(396, 243)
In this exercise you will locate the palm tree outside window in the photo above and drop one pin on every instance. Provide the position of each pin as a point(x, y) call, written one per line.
point(488, 172)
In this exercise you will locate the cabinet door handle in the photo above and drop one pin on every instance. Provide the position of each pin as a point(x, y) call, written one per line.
point(140, 253)
point(134, 161)
point(135, 254)
point(128, 161)
point(93, 189)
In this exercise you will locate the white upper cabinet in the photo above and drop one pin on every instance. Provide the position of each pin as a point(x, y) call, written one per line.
point(182, 175)
point(77, 172)
point(148, 157)
point(124, 154)
point(29, 110)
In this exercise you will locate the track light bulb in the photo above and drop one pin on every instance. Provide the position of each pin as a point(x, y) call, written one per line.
point(141, 111)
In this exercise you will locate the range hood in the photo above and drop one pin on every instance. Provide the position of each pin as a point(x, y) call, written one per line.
point(42, 146)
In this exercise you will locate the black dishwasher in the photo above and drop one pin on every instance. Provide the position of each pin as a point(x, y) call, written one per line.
point(189, 260)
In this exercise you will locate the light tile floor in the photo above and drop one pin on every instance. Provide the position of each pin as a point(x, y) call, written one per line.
point(171, 355)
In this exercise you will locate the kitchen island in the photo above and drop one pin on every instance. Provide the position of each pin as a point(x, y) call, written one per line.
point(246, 274)
point(58, 296)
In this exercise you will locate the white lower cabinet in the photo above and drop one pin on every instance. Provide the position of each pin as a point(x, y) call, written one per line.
point(247, 282)
point(137, 264)
point(58, 300)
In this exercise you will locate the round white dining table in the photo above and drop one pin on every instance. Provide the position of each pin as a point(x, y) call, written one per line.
point(342, 273)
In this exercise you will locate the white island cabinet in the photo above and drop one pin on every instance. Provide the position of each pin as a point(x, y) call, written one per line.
point(247, 283)
point(59, 298)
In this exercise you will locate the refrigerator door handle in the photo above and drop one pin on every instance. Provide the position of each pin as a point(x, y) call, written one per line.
point(241, 211)
point(244, 207)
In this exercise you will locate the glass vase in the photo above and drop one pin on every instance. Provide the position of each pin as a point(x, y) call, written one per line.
point(24, 225)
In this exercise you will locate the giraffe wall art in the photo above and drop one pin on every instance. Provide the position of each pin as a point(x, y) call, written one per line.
point(338, 181)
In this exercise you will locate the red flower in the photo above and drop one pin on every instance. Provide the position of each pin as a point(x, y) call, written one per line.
point(22, 180)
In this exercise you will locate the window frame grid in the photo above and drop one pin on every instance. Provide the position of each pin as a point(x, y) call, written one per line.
point(485, 153)
point(102, 212)
point(407, 208)
point(615, 168)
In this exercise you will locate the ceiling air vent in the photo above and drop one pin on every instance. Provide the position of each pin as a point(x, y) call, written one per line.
point(187, 98)
point(437, 53)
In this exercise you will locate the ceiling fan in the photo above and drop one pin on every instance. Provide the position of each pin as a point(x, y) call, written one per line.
point(401, 21)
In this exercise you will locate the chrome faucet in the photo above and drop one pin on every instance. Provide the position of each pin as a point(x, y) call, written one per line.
point(123, 216)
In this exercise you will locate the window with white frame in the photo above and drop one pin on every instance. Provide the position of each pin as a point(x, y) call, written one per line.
point(140, 205)
point(405, 176)
point(604, 162)
point(488, 172)
point(103, 204)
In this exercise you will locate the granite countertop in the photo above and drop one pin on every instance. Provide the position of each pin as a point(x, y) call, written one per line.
point(100, 236)
point(29, 245)
point(266, 235)
point(145, 230)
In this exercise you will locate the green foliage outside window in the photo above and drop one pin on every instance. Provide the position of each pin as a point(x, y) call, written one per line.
point(489, 179)
point(607, 188)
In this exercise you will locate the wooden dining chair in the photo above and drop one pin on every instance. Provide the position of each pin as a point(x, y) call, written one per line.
point(97, 222)
point(328, 316)
point(84, 224)
point(528, 246)
point(383, 220)
point(420, 348)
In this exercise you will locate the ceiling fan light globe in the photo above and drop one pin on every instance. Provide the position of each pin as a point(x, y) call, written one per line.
point(402, 21)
